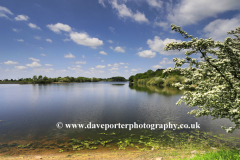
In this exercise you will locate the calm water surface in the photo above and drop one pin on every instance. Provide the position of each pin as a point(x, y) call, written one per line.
point(32, 111)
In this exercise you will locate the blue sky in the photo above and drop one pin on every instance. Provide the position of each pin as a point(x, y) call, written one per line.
point(103, 38)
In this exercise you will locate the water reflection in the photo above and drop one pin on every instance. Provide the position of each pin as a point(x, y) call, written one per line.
point(155, 89)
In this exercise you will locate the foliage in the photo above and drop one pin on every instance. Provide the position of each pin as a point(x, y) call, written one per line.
point(217, 77)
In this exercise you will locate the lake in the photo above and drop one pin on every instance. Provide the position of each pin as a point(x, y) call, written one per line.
point(29, 112)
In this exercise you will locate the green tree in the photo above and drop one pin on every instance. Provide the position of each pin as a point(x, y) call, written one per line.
point(216, 77)
point(34, 78)
point(40, 77)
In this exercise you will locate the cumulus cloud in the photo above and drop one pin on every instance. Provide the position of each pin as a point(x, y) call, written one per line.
point(4, 11)
point(111, 29)
point(218, 29)
point(78, 66)
point(113, 69)
point(37, 37)
point(158, 45)
point(69, 55)
point(122, 63)
point(101, 2)
point(43, 55)
point(134, 70)
point(155, 3)
point(100, 66)
point(83, 56)
point(20, 67)
point(58, 27)
point(166, 61)
point(109, 65)
point(118, 49)
point(189, 12)
point(115, 65)
point(164, 25)
point(34, 64)
point(125, 12)
point(84, 39)
point(15, 30)
point(110, 41)
point(34, 26)
point(20, 40)
point(49, 65)
point(21, 18)
point(157, 66)
point(126, 67)
point(147, 54)
point(102, 60)
point(103, 53)
point(33, 59)
point(10, 63)
point(81, 62)
point(49, 40)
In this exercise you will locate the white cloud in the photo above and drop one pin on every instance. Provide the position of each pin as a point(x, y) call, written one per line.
point(83, 56)
point(58, 27)
point(34, 26)
point(126, 67)
point(69, 55)
point(103, 53)
point(122, 63)
point(37, 37)
point(34, 64)
point(110, 41)
point(43, 54)
point(40, 47)
point(158, 45)
point(100, 66)
point(166, 61)
point(20, 67)
point(109, 65)
point(21, 18)
point(48, 65)
point(101, 2)
point(155, 3)
point(33, 59)
point(20, 40)
point(127, 64)
point(6, 70)
point(190, 12)
point(43, 70)
point(10, 63)
point(119, 49)
point(124, 12)
point(65, 40)
point(49, 40)
point(115, 65)
point(164, 25)
point(101, 71)
point(113, 69)
point(102, 60)
point(139, 49)
point(78, 66)
point(84, 39)
point(81, 62)
point(15, 30)
point(157, 66)
point(140, 17)
point(4, 11)
point(147, 54)
point(134, 70)
point(111, 29)
point(218, 29)
point(76, 69)
point(126, 70)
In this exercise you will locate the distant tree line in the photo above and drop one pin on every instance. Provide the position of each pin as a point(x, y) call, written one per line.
point(156, 78)
point(45, 79)
point(118, 78)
